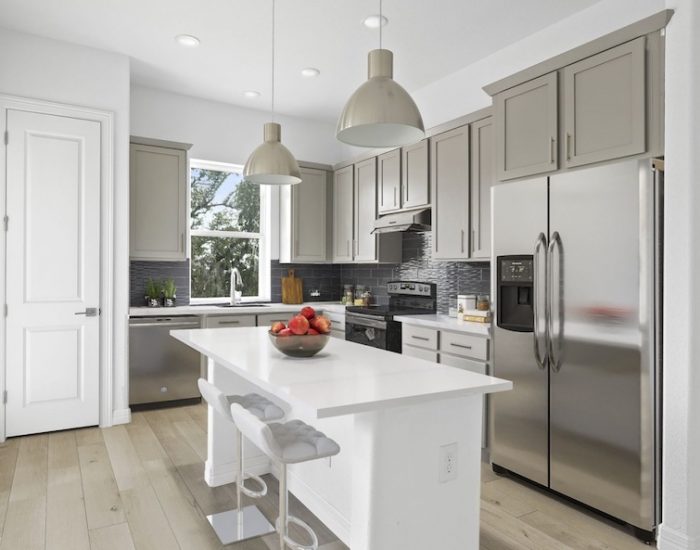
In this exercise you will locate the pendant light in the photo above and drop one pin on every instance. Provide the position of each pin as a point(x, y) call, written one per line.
point(272, 163)
point(380, 113)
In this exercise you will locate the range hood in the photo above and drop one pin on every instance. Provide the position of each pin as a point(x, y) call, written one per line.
point(415, 220)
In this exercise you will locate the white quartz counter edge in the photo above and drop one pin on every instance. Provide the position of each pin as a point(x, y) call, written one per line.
point(240, 310)
point(445, 322)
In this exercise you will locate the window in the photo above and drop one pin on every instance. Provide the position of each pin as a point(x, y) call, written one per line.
point(229, 221)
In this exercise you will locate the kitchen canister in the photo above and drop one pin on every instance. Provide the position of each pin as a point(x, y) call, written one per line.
point(465, 302)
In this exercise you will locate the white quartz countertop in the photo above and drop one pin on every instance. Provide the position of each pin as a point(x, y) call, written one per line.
point(445, 322)
point(344, 378)
point(210, 309)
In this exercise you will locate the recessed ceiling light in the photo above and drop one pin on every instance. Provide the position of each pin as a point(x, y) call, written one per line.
point(375, 21)
point(310, 71)
point(187, 40)
point(251, 93)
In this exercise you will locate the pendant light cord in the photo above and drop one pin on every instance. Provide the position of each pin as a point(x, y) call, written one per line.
point(381, 23)
point(273, 61)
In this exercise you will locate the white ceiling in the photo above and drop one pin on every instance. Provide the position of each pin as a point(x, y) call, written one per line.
point(430, 40)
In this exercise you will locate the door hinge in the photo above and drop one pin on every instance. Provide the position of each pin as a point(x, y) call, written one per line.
point(4, 397)
point(6, 222)
point(7, 137)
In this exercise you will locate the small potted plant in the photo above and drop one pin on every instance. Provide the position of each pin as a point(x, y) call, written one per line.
point(169, 293)
point(153, 291)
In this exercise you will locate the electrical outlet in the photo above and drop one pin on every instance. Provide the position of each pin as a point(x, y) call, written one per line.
point(449, 463)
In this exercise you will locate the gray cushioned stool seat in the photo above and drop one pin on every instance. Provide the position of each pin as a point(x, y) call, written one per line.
point(296, 441)
point(260, 406)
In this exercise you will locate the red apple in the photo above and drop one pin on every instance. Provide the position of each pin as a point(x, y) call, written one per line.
point(277, 327)
point(312, 331)
point(285, 332)
point(299, 324)
point(321, 324)
point(308, 312)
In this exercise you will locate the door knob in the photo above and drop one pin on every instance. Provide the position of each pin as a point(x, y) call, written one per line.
point(89, 312)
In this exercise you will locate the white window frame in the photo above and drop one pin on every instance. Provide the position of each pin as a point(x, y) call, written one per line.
point(263, 236)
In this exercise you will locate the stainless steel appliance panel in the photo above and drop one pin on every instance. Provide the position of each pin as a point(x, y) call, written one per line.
point(160, 367)
point(520, 417)
point(601, 331)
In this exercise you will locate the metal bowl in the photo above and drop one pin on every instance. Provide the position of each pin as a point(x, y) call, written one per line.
point(306, 345)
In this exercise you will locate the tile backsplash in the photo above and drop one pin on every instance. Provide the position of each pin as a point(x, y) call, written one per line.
point(140, 271)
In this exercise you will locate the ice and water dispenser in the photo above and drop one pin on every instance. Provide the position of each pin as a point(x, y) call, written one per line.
point(515, 293)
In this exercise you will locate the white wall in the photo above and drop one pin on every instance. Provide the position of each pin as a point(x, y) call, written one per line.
point(222, 132)
point(41, 68)
point(681, 502)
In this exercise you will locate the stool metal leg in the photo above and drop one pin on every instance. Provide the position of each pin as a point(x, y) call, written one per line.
point(285, 519)
point(246, 521)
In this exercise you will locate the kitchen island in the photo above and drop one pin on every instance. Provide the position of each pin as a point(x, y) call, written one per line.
point(396, 419)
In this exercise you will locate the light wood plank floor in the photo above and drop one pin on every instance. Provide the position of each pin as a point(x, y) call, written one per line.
point(141, 487)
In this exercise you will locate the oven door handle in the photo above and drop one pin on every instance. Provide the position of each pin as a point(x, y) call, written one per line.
point(359, 320)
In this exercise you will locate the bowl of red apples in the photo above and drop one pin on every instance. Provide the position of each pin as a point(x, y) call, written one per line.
point(303, 336)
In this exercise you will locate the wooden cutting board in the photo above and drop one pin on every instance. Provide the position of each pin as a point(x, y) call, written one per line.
point(292, 289)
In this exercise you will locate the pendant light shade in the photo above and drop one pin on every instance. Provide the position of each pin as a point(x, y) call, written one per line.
point(380, 113)
point(272, 163)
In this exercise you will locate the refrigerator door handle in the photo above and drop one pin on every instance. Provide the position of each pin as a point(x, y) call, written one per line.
point(540, 246)
point(555, 298)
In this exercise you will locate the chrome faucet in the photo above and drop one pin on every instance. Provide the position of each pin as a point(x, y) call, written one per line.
point(236, 283)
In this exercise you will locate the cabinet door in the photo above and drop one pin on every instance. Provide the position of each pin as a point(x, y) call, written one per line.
point(389, 181)
point(365, 210)
point(415, 178)
point(450, 193)
point(482, 178)
point(309, 217)
point(158, 182)
point(526, 128)
point(604, 105)
point(342, 214)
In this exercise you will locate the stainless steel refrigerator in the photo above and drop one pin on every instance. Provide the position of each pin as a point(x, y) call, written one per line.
point(577, 289)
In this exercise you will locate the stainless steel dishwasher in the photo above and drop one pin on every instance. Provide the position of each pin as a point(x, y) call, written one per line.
point(162, 370)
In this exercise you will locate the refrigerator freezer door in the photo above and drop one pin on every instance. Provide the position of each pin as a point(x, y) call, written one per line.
point(602, 339)
point(520, 417)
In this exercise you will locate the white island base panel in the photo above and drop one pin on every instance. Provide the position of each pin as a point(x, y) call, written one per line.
point(383, 490)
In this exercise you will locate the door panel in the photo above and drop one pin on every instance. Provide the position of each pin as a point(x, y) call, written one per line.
point(53, 202)
point(365, 210)
point(389, 181)
point(482, 178)
point(602, 337)
point(342, 214)
point(309, 211)
point(520, 423)
point(415, 177)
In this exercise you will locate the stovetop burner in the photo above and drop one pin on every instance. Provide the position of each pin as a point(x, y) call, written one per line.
point(405, 298)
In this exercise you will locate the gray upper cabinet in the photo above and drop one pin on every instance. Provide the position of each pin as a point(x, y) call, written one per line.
point(526, 128)
point(343, 214)
point(389, 181)
point(415, 176)
point(449, 153)
point(604, 105)
point(483, 176)
point(365, 210)
point(303, 226)
point(158, 198)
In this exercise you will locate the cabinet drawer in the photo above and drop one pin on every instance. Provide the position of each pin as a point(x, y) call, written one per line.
point(463, 363)
point(266, 319)
point(230, 321)
point(337, 319)
point(420, 353)
point(338, 333)
point(465, 345)
point(426, 338)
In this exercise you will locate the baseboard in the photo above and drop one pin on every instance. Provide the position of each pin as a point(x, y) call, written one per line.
point(670, 539)
point(223, 474)
point(319, 506)
point(121, 416)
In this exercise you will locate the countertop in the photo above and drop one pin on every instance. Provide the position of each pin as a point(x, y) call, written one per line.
point(344, 378)
point(445, 322)
point(240, 310)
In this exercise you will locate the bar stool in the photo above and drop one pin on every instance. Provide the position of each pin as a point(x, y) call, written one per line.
point(288, 443)
point(246, 521)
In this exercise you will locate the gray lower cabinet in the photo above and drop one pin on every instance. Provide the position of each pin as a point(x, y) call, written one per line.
point(343, 198)
point(526, 122)
point(365, 211)
point(415, 176)
point(483, 176)
point(389, 181)
point(158, 197)
point(303, 226)
point(604, 105)
point(229, 321)
point(449, 153)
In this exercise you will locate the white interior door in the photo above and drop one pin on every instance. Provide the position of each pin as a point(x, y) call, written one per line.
point(53, 272)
